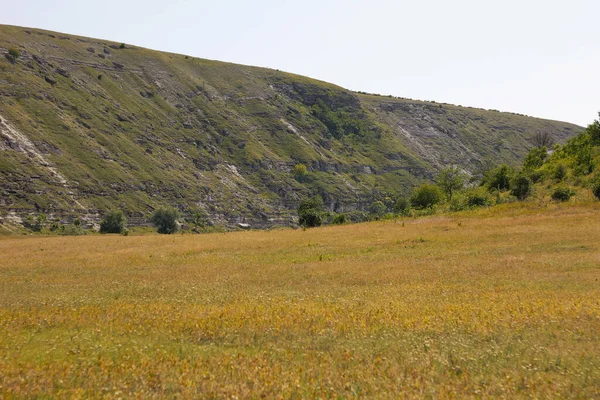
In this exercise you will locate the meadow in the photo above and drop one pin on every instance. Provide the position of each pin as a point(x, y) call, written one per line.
point(501, 302)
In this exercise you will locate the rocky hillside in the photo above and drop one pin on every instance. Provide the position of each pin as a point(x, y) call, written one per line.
point(87, 125)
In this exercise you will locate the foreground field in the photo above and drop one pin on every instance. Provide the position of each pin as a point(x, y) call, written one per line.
point(473, 305)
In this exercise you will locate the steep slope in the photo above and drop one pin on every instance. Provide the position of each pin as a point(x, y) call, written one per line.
point(88, 125)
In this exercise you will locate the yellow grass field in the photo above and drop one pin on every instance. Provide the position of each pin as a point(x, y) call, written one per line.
point(496, 303)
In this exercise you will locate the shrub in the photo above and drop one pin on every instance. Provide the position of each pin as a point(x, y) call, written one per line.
point(310, 212)
point(535, 176)
point(562, 193)
point(477, 198)
point(71, 230)
point(339, 219)
point(356, 216)
point(594, 131)
point(199, 219)
point(596, 190)
point(377, 209)
point(535, 158)
point(113, 222)
point(300, 172)
point(39, 222)
point(122, 46)
point(560, 172)
point(425, 196)
point(13, 54)
point(521, 187)
point(498, 178)
point(450, 180)
point(402, 206)
point(458, 202)
point(165, 220)
point(584, 161)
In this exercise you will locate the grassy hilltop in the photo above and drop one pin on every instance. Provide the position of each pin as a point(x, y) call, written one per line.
point(88, 125)
point(499, 302)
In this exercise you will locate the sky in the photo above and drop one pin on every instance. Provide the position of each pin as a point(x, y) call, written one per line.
point(540, 58)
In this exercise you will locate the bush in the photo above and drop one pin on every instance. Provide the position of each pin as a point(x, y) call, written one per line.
point(165, 220)
point(521, 187)
point(377, 209)
point(356, 216)
point(425, 196)
point(402, 206)
point(310, 212)
point(122, 46)
point(70, 230)
point(13, 54)
point(450, 180)
point(535, 158)
point(477, 198)
point(562, 193)
point(199, 219)
point(339, 219)
point(498, 178)
point(458, 202)
point(536, 176)
point(596, 190)
point(560, 172)
point(300, 172)
point(113, 222)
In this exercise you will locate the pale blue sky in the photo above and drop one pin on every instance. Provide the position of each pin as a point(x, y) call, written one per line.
point(535, 57)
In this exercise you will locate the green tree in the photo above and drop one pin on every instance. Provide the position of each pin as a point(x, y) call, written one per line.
point(339, 219)
point(300, 172)
point(498, 178)
point(40, 221)
point(377, 209)
point(535, 158)
point(113, 222)
point(402, 206)
point(426, 196)
point(594, 131)
point(562, 193)
point(521, 186)
point(450, 180)
point(165, 220)
point(310, 212)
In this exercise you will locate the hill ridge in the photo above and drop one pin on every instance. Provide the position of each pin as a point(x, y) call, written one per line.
point(135, 129)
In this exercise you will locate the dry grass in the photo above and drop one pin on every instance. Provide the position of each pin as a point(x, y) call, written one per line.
point(472, 305)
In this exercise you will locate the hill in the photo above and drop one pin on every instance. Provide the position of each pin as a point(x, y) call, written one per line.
point(89, 125)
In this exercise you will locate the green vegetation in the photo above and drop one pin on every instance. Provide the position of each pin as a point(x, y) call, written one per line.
point(138, 129)
point(300, 172)
point(494, 303)
point(13, 54)
point(377, 209)
point(562, 193)
point(498, 178)
point(521, 186)
point(165, 220)
point(310, 212)
point(339, 219)
point(113, 222)
point(426, 196)
point(450, 180)
point(339, 123)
